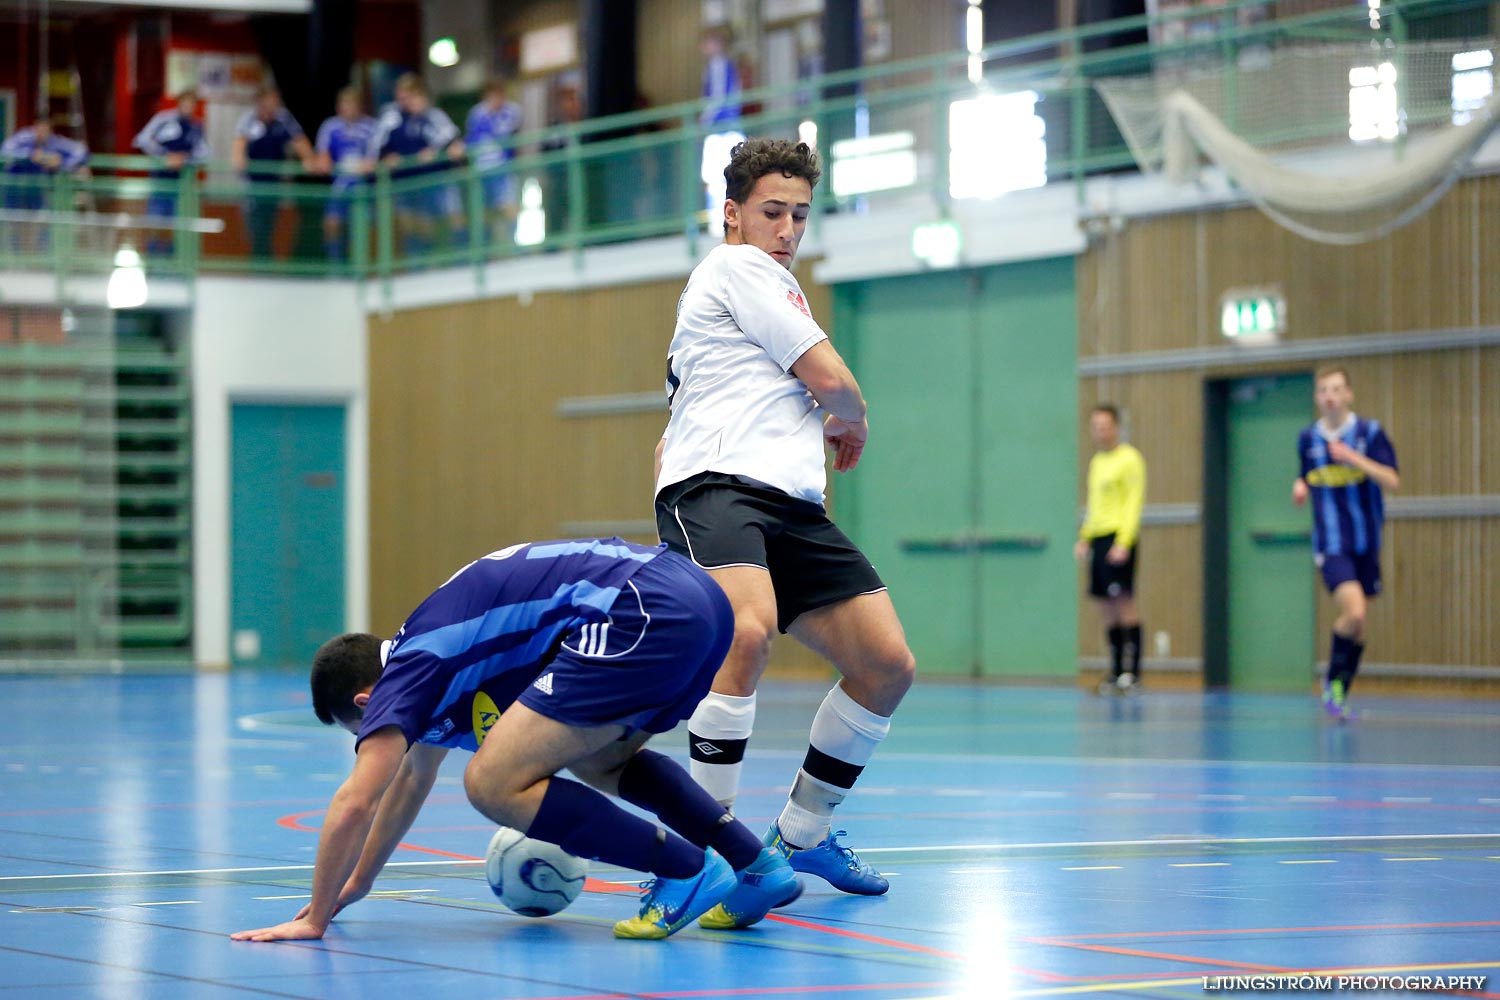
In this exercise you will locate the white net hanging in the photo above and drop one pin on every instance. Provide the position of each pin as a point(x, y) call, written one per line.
point(1338, 143)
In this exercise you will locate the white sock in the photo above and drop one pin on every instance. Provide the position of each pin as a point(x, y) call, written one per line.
point(717, 734)
point(844, 737)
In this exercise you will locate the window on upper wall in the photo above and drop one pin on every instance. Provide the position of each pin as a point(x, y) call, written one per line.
point(1473, 82)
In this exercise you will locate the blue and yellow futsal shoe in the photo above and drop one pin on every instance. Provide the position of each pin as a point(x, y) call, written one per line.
point(1335, 701)
point(830, 861)
point(670, 904)
point(767, 883)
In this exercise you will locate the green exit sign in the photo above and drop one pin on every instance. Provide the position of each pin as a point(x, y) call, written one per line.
point(1252, 315)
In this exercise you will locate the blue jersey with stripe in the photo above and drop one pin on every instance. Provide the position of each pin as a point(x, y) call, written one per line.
point(171, 132)
point(486, 127)
point(347, 144)
point(1347, 506)
point(18, 150)
point(483, 637)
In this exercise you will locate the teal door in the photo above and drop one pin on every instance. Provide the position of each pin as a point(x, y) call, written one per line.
point(965, 498)
point(287, 532)
point(1271, 594)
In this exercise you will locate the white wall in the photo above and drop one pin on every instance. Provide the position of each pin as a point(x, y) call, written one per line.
point(272, 340)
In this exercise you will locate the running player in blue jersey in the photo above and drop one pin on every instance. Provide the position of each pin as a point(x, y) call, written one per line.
point(343, 150)
point(540, 657)
point(490, 123)
point(1347, 461)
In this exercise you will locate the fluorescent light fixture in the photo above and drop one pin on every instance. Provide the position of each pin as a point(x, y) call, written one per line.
point(937, 244)
point(876, 163)
point(1374, 105)
point(531, 220)
point(997, 144)
point(1473, 83)
point(808, 132)
point(127, 282)
point(443, 52)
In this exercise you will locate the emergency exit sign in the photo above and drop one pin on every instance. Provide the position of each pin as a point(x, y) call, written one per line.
point(1252, 314)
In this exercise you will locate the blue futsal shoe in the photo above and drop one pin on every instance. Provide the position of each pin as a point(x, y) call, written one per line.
point(831, 861)
point(767, 883)
point(670, 904)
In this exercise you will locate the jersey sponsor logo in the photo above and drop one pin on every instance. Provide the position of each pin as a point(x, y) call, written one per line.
point(797, 300)
point(1335, 475)
point(486, 714)
point(543, 684)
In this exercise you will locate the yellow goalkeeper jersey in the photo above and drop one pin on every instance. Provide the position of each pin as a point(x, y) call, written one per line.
point(1117, 492)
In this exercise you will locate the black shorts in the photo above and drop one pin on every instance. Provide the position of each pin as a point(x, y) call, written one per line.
point(1105, 578)
point(719, 520)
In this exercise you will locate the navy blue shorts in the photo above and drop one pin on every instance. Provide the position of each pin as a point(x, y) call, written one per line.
point(1363, 568)
point(650, 664)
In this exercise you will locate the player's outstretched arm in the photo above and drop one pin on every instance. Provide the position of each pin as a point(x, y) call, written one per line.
point(345, 828)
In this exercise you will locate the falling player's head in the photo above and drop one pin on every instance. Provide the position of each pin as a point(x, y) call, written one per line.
point(1332, 392)
point(1104, 426)
point(343, 671)
point(769, 186)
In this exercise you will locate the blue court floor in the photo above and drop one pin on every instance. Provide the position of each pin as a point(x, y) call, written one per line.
point(1039, 843)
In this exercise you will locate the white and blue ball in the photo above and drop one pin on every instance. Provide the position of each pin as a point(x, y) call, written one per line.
point(532, 877)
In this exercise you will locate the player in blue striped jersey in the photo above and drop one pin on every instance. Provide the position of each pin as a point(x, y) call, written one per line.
point(540, 657)
point(1346, 461)
point(31, 156)
point(343, 150)
point(177, 138)
point(418, 138)
point(266, 134)
point(490, 122)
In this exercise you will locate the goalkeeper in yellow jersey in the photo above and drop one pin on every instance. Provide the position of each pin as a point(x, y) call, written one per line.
point(1111, 529)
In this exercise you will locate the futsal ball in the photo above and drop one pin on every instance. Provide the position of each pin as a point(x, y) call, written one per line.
point(532, 877)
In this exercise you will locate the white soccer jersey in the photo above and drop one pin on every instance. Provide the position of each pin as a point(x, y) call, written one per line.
point(736, 407)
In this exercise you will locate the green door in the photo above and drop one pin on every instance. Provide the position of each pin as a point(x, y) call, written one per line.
point(287, 532)
point(1270, 588)
point(965, 500)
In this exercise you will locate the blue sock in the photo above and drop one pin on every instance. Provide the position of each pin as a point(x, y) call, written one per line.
point(583, 822)
point(656, 783)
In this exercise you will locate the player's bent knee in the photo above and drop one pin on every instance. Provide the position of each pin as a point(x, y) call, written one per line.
point(489, 791)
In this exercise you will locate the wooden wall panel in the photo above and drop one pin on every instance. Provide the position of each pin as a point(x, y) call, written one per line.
point(468, 453)
point(1169, 589)
point(1156, 286)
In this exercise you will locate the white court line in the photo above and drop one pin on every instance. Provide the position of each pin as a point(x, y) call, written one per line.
point(304, 895)
point(1411, 859)
point(1322, 862)
point(915, 849)
point(168, 902)
point(1093, 868)
point(1201, 864)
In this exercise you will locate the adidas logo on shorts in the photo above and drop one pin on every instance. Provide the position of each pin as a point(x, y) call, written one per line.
point(543, 684)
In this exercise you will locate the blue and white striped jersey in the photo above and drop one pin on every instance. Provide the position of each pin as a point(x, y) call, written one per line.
point(17, 152)
point(481, 638)
point(171, 132)
point(347, 143)
point(1347, 506)
point(486, 127)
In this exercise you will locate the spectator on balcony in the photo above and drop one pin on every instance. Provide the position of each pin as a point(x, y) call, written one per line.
point(415, 138)
point(177, 139)
point(568, 110)
point(266, 134)
point(31, 157)
point(343, 148)
point(719, 119)
point(490, 124)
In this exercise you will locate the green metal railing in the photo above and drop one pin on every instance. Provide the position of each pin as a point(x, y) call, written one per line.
point(636, 175)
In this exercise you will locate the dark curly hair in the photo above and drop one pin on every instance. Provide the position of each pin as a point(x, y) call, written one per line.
point(343, 667)
point(753, 159)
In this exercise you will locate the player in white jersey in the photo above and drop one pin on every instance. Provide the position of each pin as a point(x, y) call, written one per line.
point(755, 390)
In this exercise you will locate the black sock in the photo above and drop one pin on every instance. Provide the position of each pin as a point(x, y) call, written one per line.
point(1340, 654)
point(1116, 650)
point(656, 783)
point(1133, 644)
point(1356, 650)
